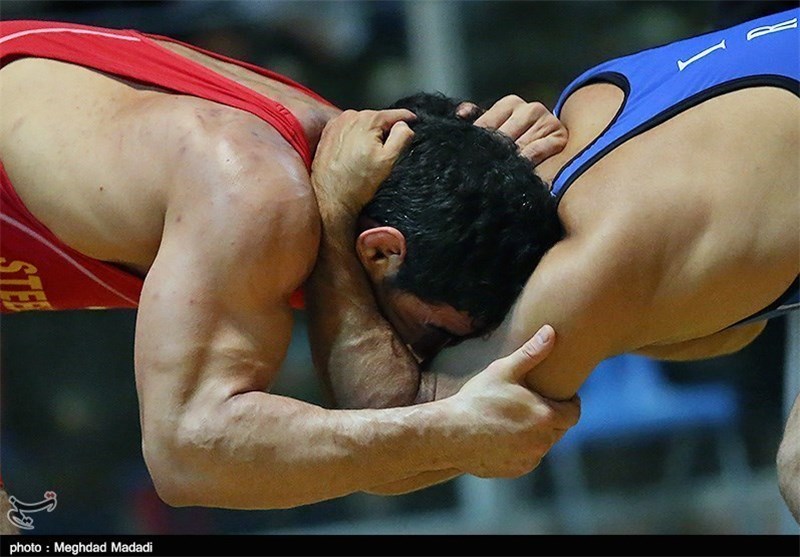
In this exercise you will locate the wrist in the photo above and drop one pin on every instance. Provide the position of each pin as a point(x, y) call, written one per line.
point(333, 210)
point(338, 229)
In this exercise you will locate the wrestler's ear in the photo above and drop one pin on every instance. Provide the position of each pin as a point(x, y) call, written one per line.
point(381, 251)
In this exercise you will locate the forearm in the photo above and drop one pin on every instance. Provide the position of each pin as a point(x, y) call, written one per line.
point(261, 451)
point(362, 361)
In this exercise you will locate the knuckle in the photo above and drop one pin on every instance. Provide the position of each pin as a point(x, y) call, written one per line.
point(404, 129)
point(530, 110)
point(532, 150)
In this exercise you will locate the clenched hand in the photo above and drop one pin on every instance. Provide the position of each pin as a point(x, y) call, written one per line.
point(355, 154)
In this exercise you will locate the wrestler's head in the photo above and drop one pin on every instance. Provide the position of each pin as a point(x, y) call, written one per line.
point(454, 232)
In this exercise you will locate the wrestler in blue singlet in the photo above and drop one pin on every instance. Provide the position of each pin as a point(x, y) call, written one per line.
point(662, 82)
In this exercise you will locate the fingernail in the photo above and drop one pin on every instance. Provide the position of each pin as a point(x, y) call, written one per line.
point(543, 336)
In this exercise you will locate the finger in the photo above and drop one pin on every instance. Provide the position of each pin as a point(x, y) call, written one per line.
point(399, 136)
point(524, 359)
point(493, 118)
point(541, 149)
point(523, 119)
point(565, 413)
point(499, 112)
point(385, 119)
point(542, 124)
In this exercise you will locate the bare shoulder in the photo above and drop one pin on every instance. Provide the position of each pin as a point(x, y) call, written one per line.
point(589, 110)
point(239, 188)
point(578, 285)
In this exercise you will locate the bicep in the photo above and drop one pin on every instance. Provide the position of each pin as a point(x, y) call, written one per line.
point(191, 318)
point(214, 318)
point(582, 341)
point(591, 322)
point(576, 353)
point(197, 344)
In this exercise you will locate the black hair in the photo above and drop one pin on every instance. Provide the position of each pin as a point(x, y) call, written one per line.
point(475, 216)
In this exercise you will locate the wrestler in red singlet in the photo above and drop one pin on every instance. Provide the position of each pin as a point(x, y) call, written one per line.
point(37, 270)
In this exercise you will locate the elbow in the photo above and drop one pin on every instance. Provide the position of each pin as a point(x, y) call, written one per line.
point(170, 474)
point(183, 467)
point(198, 462)
point(741, 337)
point(169, 492)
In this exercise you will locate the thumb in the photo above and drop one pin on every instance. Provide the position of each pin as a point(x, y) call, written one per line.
point(399, 136)
point(517, 364)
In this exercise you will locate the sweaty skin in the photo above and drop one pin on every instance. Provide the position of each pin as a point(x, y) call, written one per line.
point(216, 210)
point(662, 272)
point(366, 358)
point(683, 257)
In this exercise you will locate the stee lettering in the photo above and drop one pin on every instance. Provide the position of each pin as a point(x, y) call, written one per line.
point(17, 299)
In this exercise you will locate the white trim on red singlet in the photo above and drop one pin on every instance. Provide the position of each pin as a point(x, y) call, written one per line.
point(36, 236)
point(67, 30)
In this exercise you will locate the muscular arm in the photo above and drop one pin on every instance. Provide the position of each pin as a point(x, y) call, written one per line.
point(358, 354)
point(362, 360)
point(360, 357)
point(213, 327)
point(574, 289)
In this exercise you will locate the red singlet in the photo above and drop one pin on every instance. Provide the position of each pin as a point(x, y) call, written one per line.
point(37, 270)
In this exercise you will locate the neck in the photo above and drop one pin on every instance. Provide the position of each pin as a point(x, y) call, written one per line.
point(547, 170)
